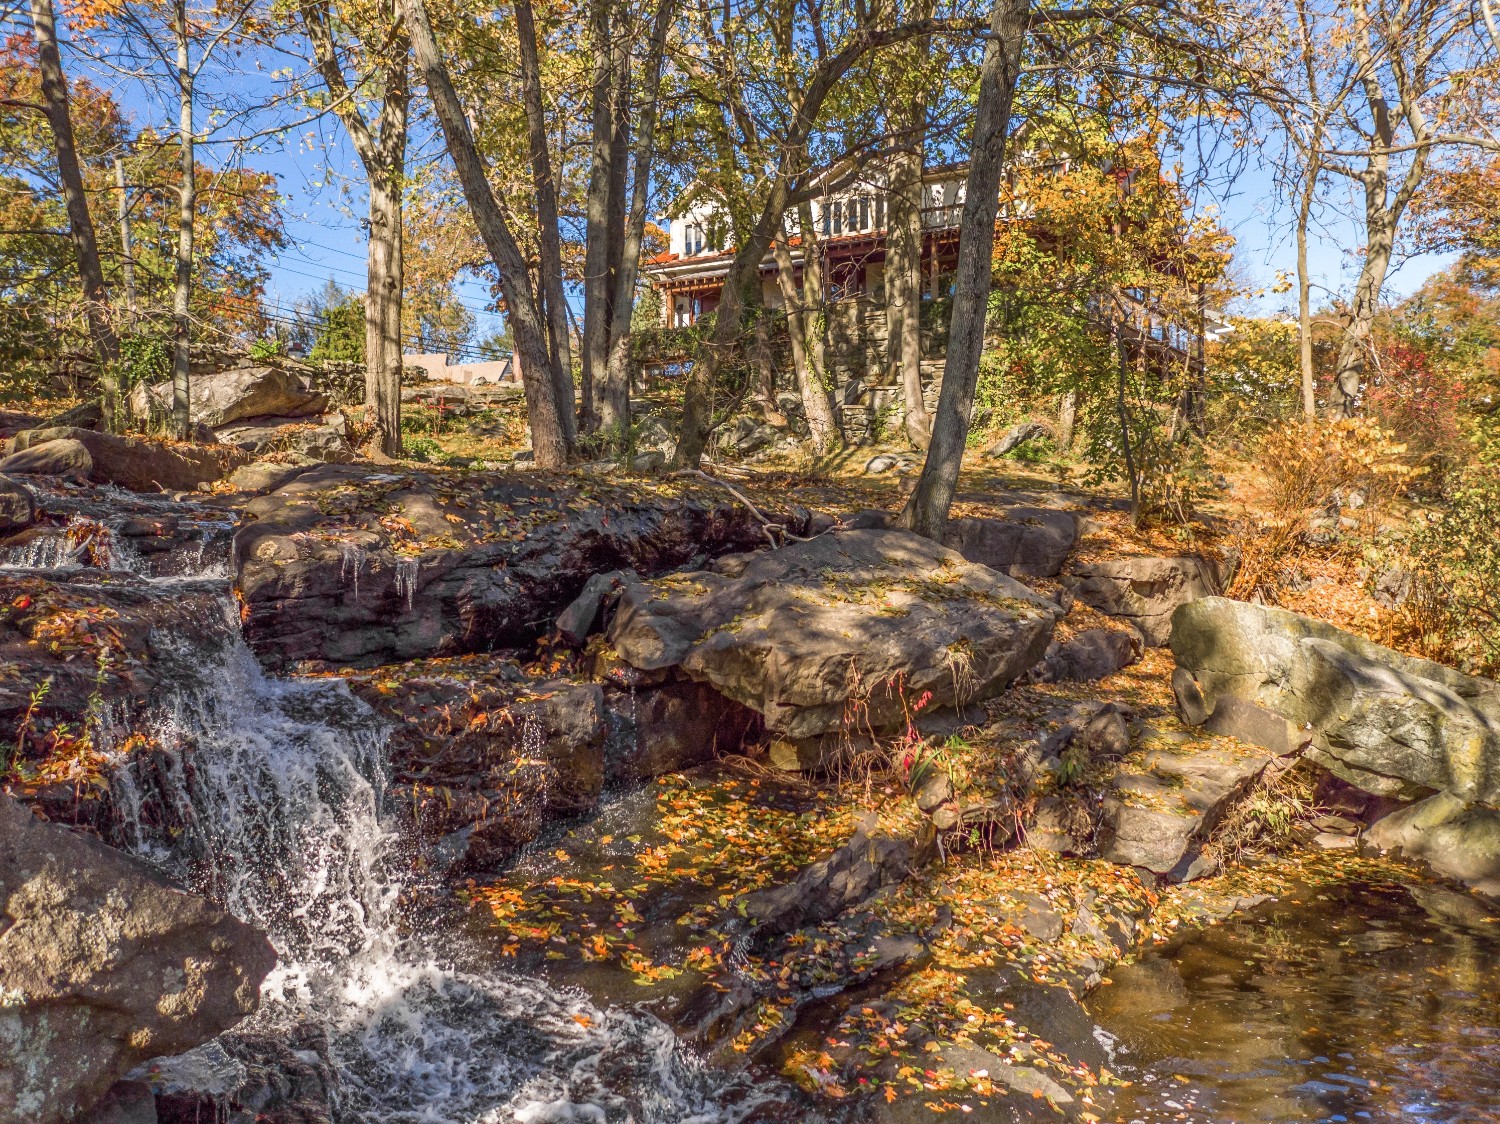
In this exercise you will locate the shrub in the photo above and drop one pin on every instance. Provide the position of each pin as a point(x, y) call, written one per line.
point(1307, 465)
point(1455, 562)
point(1408, 395)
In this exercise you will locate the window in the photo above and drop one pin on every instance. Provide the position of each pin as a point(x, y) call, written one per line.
point(838, 216)
point(880, 212)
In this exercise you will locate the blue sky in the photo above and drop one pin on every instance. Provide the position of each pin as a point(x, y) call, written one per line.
point(320, 180)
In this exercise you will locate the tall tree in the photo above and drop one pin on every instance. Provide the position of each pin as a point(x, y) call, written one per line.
point(903, 258)
point(549, 436)
point(926, 509)
point(1424, 90)
point(614, 404)
point(380, 68)
point(169, 45)
point(553, 300)
point(54, 90)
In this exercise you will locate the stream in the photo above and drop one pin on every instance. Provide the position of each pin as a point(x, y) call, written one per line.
point(275, 790)
point(1355, 1001)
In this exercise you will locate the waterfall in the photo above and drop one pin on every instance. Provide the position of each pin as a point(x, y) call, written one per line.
point(276, 789)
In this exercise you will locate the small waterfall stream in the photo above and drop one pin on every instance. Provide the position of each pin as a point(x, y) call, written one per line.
point(276, 789)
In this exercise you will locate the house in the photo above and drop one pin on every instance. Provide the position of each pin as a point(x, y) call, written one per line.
point(490, 372)
point(851, 228)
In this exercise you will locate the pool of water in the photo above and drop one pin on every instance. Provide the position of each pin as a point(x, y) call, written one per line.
point(1361, 1001)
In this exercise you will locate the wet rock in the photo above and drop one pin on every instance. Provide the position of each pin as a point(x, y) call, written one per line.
point(1388, 723)
point(1092, 654)
point(102, 644)
point(850, 623)
point(576, 622)
point(229, 396)
point(672, 726)
point(126, 1102)
point(486, 757)
point(129, 462)
point(1030, 542)
point(17, 509)
point(866, 864)
point(102, 965)
point(253, 1078)
point(354, 566)
point(1143, 591)
point(1456, 838)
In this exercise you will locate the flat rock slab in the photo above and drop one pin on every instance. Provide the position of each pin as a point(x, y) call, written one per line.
point(844, 633)
point(350, 565)
point(1388, 723)
point(1166, 800)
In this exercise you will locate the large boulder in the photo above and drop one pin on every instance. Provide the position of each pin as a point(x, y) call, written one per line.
point(1456, 838)
point(311, 437)
point(227, 396)
point(17, 508)
point(1388, 723)
point(852, 631)
point(356, 566)
point(103, 964)
point(1144, 590)
point(1030, 542)
point(129, 462)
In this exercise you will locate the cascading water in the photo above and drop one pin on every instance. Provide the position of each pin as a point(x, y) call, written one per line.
point(276, 788)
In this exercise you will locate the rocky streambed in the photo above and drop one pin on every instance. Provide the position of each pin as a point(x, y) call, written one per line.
point(587, 801)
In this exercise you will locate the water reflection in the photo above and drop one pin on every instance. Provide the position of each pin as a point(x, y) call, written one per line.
point(1365, 1001)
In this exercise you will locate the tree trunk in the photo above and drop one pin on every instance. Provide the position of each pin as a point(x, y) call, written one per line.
point(598, 206)
point(1304, 295)
point(1355, 346)
point(815, 313)
point(385, 269)
point(127, 247)
point(383, 154)
point(80, 223)
point(903, 261)
point(1067, 420)
point(614, 409)
point(187, 202)
point(821, 422)
point(547, 221)
point(550, 442)
point(926, 510)
point(1122, 410)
